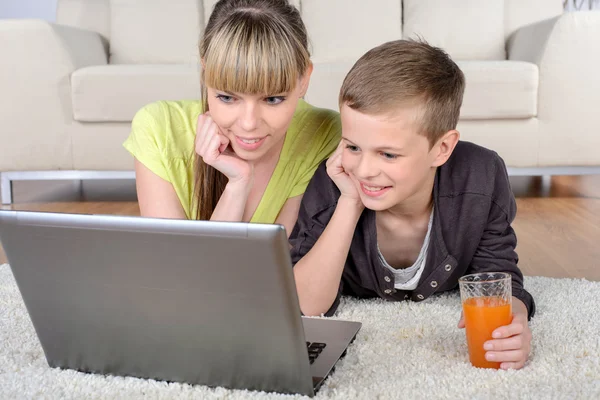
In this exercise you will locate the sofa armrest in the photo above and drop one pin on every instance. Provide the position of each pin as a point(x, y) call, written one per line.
point(566, 51)
point(38, 58)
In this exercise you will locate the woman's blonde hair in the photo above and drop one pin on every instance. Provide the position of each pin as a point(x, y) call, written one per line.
point(250, 47)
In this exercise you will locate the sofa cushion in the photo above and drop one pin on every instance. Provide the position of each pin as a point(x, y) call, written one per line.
point(519, 13)
point(366, 24)
point(325, 83)
point(155, 31)
point(116, 92)
point(494, 90)
point(466, 29)
point(91, 15)
point(499, 89)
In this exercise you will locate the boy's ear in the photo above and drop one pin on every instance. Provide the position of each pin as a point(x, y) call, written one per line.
point(305, 80)
point(444, 147)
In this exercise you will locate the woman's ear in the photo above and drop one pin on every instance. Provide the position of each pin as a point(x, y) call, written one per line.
point(305, 80)
point(445, 146)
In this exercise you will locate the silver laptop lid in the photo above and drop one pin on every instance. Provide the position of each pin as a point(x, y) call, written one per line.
point(202, 302)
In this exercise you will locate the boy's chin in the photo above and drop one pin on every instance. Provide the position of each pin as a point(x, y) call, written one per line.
point(375, 205)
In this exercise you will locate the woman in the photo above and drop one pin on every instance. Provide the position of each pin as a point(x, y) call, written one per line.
point(247, 150)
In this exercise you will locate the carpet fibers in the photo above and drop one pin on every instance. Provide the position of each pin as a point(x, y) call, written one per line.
point(404, 351)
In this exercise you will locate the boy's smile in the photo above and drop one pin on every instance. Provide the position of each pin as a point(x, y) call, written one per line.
point(373, 191)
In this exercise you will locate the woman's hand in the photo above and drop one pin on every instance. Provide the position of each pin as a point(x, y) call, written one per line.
point(214, 149)
point(338, 175)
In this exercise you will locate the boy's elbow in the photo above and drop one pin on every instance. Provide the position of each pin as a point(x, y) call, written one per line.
point(316, 310)
point(312, 311)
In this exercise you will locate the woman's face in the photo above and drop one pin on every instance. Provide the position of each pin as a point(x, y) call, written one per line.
point(255, 124)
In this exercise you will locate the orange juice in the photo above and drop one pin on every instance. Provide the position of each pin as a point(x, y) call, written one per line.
point(482, 316)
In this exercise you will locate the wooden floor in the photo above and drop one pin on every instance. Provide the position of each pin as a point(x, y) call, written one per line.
point(558, 230)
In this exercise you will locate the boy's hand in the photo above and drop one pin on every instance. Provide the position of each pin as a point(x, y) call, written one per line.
point(214, 149)
point(338, 175)
point(512, 343)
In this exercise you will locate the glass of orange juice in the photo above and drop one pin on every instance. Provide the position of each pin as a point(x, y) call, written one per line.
point(487, 304)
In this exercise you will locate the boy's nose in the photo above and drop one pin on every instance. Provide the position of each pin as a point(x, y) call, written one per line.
point(366, 169)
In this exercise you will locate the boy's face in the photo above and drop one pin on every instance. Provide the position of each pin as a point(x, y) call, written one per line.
point(388, 161)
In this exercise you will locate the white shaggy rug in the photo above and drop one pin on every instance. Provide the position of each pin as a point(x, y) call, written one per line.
point(404, 351)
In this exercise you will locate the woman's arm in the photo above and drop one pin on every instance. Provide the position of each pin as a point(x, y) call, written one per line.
point(289, 213)
point(156, 197)
point(232, 203)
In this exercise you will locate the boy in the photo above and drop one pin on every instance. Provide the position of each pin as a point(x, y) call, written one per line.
point(402, 209)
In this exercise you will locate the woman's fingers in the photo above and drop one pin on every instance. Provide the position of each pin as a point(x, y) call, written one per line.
point(205, 129)
point(224, 142)
point(212, 149)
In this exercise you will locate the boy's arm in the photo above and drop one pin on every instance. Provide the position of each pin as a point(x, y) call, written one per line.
point(496, 250)
point(318, 272)
point(321, 239)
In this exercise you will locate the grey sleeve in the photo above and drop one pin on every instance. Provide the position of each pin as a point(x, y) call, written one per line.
point(496, 249)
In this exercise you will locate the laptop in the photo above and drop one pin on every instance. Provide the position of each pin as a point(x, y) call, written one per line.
point(198, 302)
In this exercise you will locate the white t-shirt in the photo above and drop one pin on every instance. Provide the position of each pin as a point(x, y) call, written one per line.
point(408, 278)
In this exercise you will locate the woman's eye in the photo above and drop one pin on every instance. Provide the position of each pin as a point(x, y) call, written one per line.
point(389, 156)
point(224, 98)
point(273, 100)
point(352, 148)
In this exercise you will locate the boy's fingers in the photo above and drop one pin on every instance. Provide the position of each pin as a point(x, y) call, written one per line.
point(506, 356)
point(512, 365)
point(461, 321)
point(512, 343)
point(516, 328)
point(334, 160)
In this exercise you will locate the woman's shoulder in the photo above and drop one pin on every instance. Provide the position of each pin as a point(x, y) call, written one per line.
point(314, 131)
point(169, 124)
point(322, 118)
point(164, 112)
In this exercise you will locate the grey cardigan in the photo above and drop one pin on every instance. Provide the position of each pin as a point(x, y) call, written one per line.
point(474, 209)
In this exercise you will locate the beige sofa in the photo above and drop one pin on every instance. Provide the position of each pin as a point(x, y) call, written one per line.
point(69, 90)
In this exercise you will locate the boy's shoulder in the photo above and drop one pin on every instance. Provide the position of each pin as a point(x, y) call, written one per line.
point(472, 169)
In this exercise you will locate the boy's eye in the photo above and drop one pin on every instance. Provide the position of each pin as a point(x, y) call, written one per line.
point(352, 148)
point(273, 100)
point(225, 98)
point(389, 156)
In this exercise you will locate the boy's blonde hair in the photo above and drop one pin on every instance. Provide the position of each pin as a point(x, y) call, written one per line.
point(248, 47)
point(405, 73)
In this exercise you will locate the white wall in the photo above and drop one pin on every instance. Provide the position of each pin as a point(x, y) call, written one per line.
point(42, 9)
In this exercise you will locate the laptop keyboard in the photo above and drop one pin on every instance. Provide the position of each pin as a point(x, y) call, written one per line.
point(314, 349)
